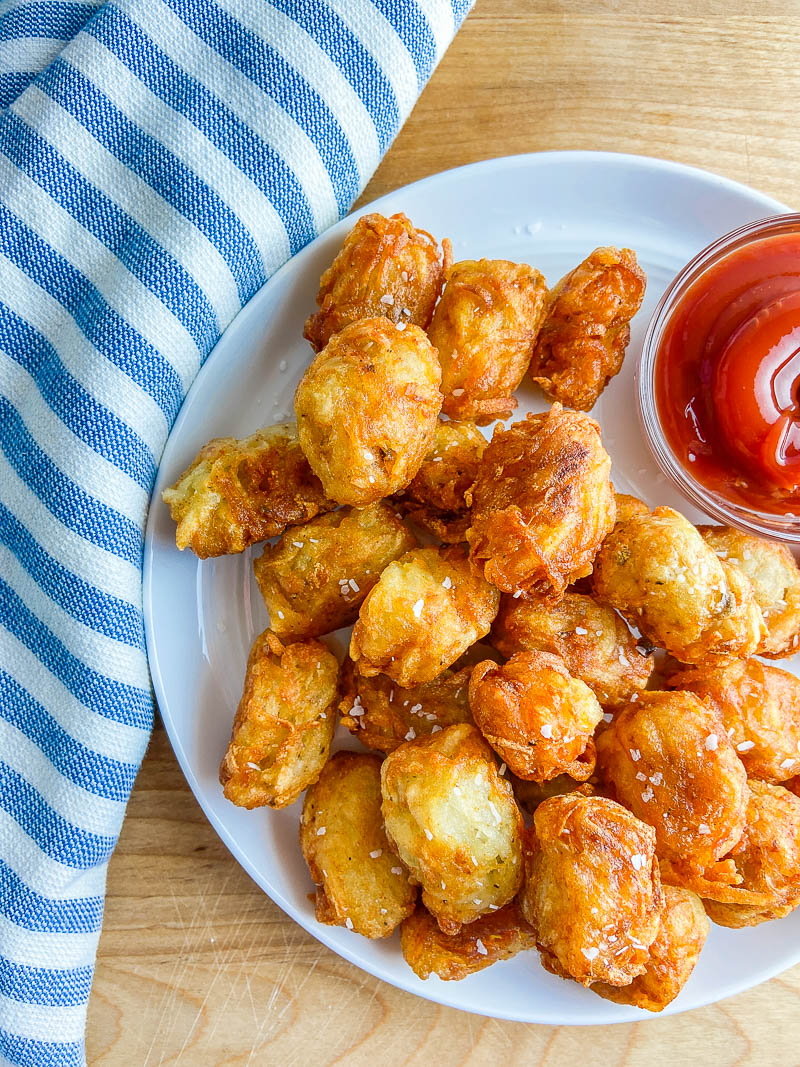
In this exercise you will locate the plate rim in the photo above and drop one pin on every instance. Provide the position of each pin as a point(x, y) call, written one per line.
point(605, 1013)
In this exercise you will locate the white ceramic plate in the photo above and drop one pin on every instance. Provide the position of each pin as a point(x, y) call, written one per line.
point(549, 210)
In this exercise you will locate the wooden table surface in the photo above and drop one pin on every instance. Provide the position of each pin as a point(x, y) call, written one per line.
point(196, 966)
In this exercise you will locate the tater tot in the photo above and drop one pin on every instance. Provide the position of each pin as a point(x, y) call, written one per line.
point(594, 642)
point(361, 884)
point(435, 499)
point(669, 759)
point(592, 889)
point(484, 328)
point(284, 724)
point(367, 409)
point(542, 503)
point(382, 715)
point(530, 794)
point(657, 571)
point(628, 506)
point(454, 822)
point(586, 329)
point(682, 932)
point(426, 610)
point(536, 716)
point(497, 936)
point(385, 267)
point(760, 709)
point(316, 577)
point(236, 493)
point(767, 862)
point(775, 578)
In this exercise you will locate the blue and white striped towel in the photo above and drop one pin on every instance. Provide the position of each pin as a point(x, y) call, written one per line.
point(159, 159)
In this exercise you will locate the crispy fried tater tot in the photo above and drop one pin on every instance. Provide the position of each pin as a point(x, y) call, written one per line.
point(236, 493)
point(767, 861)
point(594, 642)
point(284, 724)
point(426, 610)
point(316, 577)
point(536, 716)
point(382, 715)
point(657, 571)
point(760, 709)
point(361, 884)
point(592, 889)
point(775, 578)
point(669, 759)
point(531, 794)
point(367, 409)
point(454, 822)
point(497, 936)
point(385, 267)
point(585, 332)
point(484, 328)
point(541, 504)
point(435, 498)
point(628, 506)
point(682, 932)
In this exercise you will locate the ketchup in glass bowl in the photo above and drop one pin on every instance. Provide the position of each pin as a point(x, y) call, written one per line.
point(719, 379)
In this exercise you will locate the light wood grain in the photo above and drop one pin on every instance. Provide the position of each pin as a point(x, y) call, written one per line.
point(196, 967)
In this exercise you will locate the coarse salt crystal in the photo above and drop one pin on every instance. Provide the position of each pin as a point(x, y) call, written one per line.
point(704, 828)
point(297, 544)
point(416, 708)
point(745, 746)
point(280, 614)
point(591, 953)
point(387, 299)
point(476, 901)
point(518, 594)
point(458, 392)
point(436, 729)
point(374, 855)
point(636, 755)
point(254, 766)
point(397, 870)
point(479, 945)
point(412, 733)
point(641, 777)
point(404, 275)
point(547, 730)
point(495, 812)
point(607, 716)
point(417, 609)
point(400, 325)
point(502, 769)
point(322, 831)
point(580, 630)
point(787, 763)
point(638, 860)
point(493, 907)
point(648, 795)
point(348, 923)
point(712, 742)
point(657, 778)
point(383, 911)
point(355, 586)
point(428, 834)
point(447, 583)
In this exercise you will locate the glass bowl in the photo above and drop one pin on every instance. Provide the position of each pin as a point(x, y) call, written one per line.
point(763, 523)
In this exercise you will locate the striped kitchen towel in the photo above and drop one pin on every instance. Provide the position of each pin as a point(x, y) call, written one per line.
point(159, 160)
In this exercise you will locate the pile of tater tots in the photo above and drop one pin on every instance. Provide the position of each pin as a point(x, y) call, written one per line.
point(572, 741)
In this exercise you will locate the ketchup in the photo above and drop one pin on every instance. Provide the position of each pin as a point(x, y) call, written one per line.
point(727, 376)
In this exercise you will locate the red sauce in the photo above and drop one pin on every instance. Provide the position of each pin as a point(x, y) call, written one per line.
point(727, 376)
